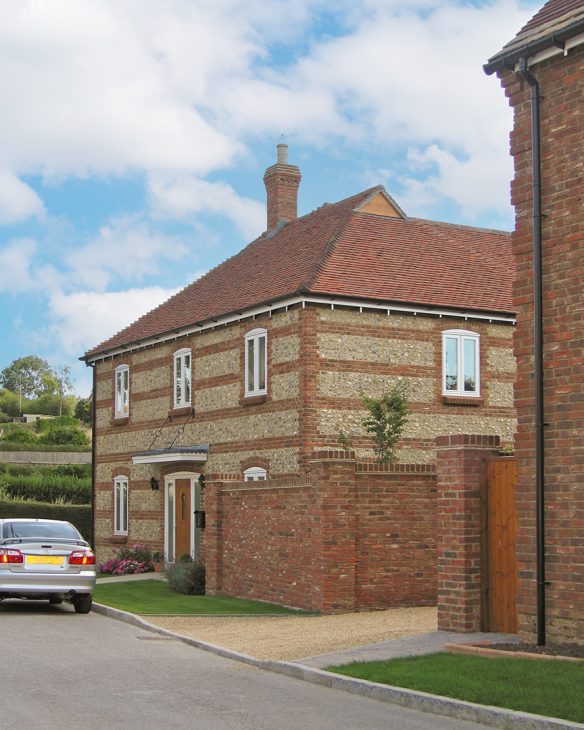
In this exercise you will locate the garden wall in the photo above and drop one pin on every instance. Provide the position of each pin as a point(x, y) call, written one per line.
point(45, 457)
point(350, 536)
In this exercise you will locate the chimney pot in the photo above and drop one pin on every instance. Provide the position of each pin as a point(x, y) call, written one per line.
point(282, 153)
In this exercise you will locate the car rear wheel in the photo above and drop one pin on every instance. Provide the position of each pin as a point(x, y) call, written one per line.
point(82, 602)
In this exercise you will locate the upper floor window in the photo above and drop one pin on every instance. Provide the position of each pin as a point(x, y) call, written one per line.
point(121, 505)
point(182, 378)
point(122, 391)
point(256, 362)
point(255, 474)
point(460, 356)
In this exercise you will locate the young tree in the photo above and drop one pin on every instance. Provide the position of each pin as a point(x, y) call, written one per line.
point(385, 421)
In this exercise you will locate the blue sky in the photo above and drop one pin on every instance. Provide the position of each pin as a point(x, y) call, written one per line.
point(135, 134)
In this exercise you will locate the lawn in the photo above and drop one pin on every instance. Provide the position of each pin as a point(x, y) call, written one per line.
point(544, 687)
point(149, 597)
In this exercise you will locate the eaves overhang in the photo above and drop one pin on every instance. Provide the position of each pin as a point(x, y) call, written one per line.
point(537, 49)
point(301, 300)
point(172, 455)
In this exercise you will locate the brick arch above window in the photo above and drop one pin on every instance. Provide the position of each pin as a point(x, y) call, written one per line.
point(254, 461)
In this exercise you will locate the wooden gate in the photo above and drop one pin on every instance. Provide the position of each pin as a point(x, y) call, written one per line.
point(499, 525)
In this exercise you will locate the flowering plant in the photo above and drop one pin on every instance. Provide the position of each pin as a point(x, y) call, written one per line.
point(128, 560)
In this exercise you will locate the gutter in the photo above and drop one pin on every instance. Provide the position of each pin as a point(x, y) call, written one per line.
point(508, 61)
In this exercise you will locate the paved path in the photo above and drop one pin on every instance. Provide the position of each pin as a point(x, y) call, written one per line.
point(427, 643)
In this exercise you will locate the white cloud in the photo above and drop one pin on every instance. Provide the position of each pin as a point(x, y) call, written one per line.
point(187, 196)
point(18, 201)
point(83, 320)
point(124, 249)
point(180, 88)
point(15, 265)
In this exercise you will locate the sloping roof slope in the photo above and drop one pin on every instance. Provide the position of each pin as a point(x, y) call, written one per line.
point(340, 252)
point(556, 22)
point(552, 11)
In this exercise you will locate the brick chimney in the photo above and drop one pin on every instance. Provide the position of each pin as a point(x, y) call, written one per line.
point(282, 181)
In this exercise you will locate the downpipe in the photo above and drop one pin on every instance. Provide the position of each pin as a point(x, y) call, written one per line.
point(538, 350)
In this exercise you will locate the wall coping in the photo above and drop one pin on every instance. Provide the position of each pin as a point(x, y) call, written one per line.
point(458, 441)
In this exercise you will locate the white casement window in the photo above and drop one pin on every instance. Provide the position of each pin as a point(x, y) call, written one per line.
point(122, 391)
point(255, 474)
point(256, 363)
point(121, 505)
point(182, 378)
point(461, 363)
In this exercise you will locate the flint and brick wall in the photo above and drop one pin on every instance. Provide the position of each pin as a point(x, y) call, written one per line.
point(319, 361)
point(372, 352)
point(561, 83)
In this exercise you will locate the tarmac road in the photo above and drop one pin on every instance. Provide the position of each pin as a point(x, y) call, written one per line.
point(62, 670)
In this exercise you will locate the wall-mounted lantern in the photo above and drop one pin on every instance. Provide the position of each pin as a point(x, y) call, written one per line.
point(202, 481)
point(154, 484)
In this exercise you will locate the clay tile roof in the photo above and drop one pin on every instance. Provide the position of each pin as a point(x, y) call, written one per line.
point(555, 23)
point(339, 251)
point(551, 12)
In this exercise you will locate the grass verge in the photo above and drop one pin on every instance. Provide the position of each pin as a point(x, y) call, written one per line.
point(544, 687)
point(148, 597)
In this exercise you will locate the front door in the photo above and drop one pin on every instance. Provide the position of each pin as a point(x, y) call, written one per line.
point(182, 518)
point(182, 498)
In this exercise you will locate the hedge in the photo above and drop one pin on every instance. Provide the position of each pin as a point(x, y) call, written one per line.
point(47, 488)
point(79, 515)
point(80, 471)
point(6, 446)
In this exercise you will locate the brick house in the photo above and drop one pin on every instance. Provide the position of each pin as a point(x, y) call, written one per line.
point(542, 73)
point(218, 414)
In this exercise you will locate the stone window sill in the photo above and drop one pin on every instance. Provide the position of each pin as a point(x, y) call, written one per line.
point(120, 421)
point(185, 411)
point(461, 400)
point(120, 539)
point(253, 400)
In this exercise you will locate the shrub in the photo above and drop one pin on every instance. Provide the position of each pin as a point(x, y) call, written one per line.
point(187, 576)
point(64, 435)
point(128, 560)
point(19, 436)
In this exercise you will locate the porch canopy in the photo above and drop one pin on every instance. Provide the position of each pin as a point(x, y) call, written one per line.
point(197, 453)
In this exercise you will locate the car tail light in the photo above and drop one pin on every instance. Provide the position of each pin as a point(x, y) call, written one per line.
point(82, 557)
point(11, 556)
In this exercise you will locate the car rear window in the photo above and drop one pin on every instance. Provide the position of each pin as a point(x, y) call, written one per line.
point(39, 529)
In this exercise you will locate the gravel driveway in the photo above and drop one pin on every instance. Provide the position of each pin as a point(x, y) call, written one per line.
point(296, 637)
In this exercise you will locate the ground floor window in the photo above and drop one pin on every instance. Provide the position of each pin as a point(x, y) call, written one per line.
point(121, 505)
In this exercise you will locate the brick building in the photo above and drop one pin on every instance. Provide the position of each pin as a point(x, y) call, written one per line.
point(542, 73)
point(248, 376)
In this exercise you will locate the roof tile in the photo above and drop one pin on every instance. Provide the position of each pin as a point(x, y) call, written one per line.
point(340, 252)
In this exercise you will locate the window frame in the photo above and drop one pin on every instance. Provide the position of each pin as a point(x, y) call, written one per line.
point(119, 372)
point(461, 336)
point(255, 474)
point(179, 356)
point(121, 504)
point(254, 336)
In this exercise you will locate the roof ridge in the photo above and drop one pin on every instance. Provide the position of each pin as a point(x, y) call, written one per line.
point(462, 226)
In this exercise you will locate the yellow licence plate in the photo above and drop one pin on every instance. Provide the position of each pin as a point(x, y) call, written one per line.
point(45, 559)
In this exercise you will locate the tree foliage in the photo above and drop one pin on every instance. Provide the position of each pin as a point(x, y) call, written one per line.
point(386, 420)
point(30, 385)
point(29, 377)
